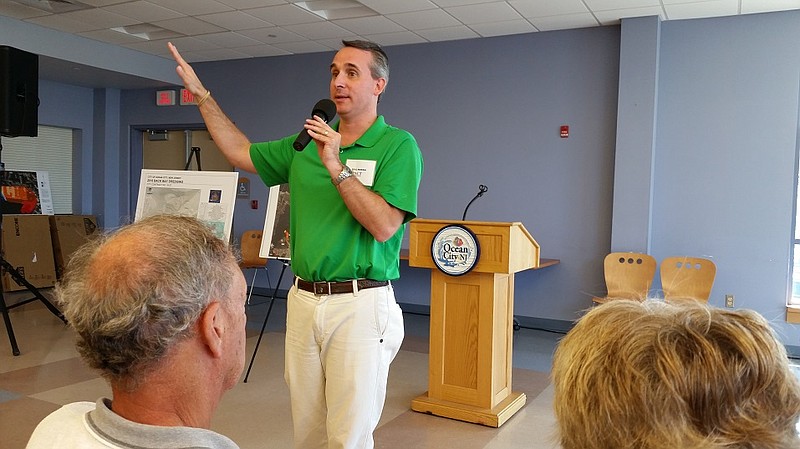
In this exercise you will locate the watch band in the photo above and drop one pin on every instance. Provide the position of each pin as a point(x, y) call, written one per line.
point(344, 174)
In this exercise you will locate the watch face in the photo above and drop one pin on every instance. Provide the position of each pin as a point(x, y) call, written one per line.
point(455, 250)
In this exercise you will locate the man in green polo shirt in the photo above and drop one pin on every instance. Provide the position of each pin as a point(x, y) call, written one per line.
point(352, 191)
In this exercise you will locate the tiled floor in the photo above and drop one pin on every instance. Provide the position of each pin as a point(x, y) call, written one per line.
point(49, 373)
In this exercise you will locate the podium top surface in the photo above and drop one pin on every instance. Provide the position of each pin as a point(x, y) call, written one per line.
point(505, 247)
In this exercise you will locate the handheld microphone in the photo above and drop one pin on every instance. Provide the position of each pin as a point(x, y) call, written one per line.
point(324, 109)
point(481, 190)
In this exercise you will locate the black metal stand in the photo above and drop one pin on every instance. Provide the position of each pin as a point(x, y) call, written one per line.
point(196, 154)
point(8, 268)
point(264, 326)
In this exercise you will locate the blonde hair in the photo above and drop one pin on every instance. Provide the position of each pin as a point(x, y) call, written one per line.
point(649, 374)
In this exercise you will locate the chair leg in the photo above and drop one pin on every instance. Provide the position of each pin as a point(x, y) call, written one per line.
point(252, 286)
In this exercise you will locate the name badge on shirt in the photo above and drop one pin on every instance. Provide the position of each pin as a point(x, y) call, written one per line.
point(363, 169)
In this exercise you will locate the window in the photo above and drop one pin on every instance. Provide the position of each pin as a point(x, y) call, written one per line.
point(50, 151)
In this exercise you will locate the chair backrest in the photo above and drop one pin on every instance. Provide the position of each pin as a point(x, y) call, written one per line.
point(251, 245)
point(629, 275)
point(685, 277)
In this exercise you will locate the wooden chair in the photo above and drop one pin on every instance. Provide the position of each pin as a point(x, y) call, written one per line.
point(685, 277)
point(250, 246)
point(628, 276)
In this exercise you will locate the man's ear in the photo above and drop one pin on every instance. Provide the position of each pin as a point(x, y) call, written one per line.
point(380, 86)
point(211, 328)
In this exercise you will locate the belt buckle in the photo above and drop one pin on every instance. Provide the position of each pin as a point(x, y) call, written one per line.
point(321, 287)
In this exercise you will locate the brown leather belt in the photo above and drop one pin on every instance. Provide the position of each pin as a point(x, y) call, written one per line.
point(335, 288)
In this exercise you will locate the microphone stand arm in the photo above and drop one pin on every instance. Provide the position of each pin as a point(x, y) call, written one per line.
point(481, 190)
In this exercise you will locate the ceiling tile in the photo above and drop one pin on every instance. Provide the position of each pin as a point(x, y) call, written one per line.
point(284, 15)
point(448, 34)
point(263, 50)
point(566, 21)
point(228, 39)
point(322, 30)
point(272, 35)
point(503, 28)
point(538, 8)
point(194, 7)
point(394, 6)
point(144, 11)
point(189, 26)
point(219, 54)
point(336, 43)
point(448, 3)
point(303, 47)
point(99, 3)
point(19, 11)
point(99, 18)
point(712, 8)
point(397, 38)
point(235, 20)
point(483, 13)
point(369, 25)
point(110, 36)
point(245, 4)
point(754, 6)
point(422, 20)
point(152, 47)
point(605, 5)
point(187, 44)
point(60, 23)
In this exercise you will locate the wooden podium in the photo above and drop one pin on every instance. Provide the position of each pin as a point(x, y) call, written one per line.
point(469, 373)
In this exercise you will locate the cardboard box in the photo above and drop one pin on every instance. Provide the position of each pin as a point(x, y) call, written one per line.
point(28, 248)
point(68, 233)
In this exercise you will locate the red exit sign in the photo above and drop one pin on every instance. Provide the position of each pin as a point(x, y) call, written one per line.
point(187, 97)
point(165, 98)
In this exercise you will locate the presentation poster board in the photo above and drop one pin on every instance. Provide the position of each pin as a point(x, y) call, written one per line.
point(209, 196)
point(275, 244)
point(26, 192)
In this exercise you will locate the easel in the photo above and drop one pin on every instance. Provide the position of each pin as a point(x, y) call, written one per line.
point(269, 310)
point(7, 267)
point(196, 154)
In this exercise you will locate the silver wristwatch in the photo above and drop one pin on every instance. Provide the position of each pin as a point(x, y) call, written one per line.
point(346, 173)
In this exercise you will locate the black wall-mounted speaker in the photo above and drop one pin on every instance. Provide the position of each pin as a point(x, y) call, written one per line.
point(19, 92)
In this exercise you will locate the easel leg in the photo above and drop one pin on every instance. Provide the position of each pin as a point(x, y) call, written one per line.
point(7, 320)
point(264, 326)
point(4, 308)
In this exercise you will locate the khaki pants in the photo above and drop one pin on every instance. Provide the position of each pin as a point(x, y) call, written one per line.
point(338, 351)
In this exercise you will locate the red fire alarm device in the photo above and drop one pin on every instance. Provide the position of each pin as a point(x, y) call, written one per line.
point(253, 204)
point(186, 97)
point(564, 131)
point(165, 98)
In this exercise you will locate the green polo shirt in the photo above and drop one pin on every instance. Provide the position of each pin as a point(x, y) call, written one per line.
point(327, 243)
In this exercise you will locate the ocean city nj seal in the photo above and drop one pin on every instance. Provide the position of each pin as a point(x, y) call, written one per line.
point(455, 250)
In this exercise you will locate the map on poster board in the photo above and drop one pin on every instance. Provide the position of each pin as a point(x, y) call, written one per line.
point(26, 192)
point(209, 196)
point(275, 244)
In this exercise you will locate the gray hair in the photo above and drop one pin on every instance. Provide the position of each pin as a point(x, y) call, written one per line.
point(132, 294)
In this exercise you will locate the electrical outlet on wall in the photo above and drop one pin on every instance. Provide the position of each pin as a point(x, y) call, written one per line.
point(729, 301)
